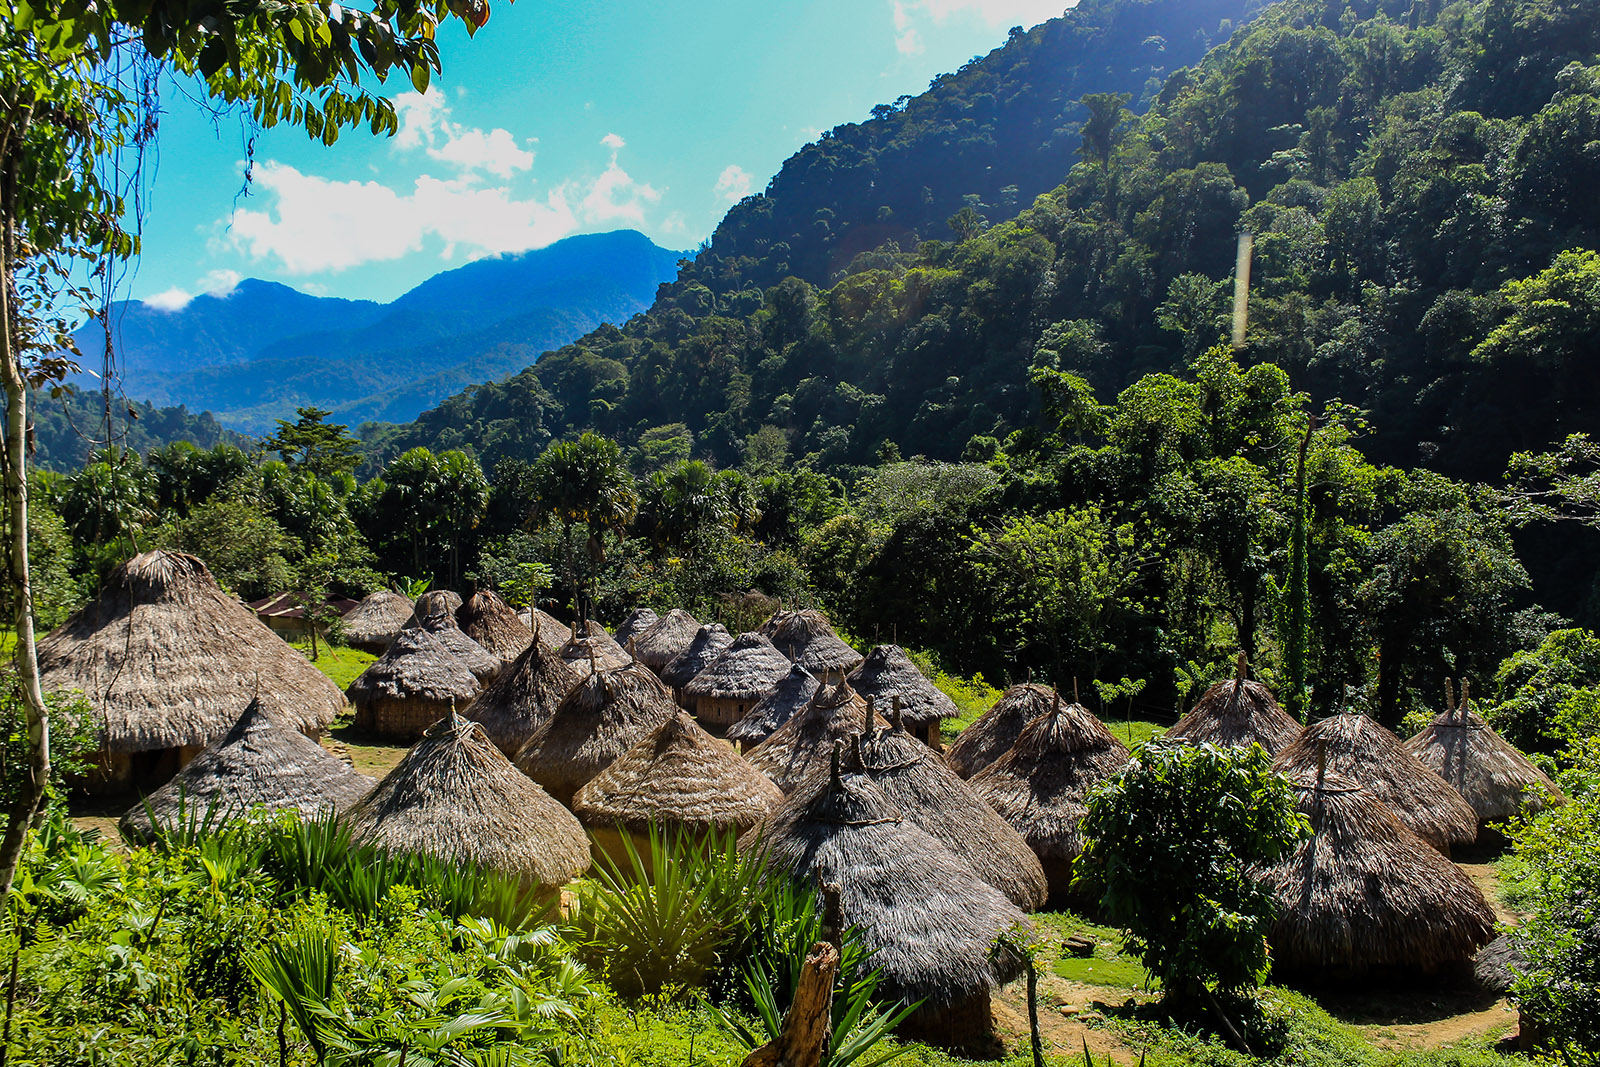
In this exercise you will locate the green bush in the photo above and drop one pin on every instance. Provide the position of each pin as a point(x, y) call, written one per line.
point(1548, 696)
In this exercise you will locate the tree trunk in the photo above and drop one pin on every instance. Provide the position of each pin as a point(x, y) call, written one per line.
point(808, 1023)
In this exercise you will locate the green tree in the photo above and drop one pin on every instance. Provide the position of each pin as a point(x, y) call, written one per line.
point(246, 550)
point(1108, 115)
point(585, 482)
point(312, 444)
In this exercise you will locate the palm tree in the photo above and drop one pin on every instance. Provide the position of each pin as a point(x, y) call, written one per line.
point(585, 481)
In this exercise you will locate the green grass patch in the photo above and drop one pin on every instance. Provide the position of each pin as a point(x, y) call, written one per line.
point(338, 662)
point(1095, 970)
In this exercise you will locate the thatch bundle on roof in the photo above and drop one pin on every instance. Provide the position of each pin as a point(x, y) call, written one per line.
point(376, 621)
point(262, 762)
point(591, 648)
point(454, 795)
point(930, 921)
point(638, 621)
point(801, 747)
point(1040, 786)
point(473, 656)
point(710, 641)
point(666, 639)
point(602, 717)
point(490, 622)
point(1494, 778)
point(1359, 748)
point(411, 686)
point(917, 781)
point(791, 695)
point(807, 638)
point(997, 729)
point(735, 681)
point(168, 662)
point(889, 679)
point(1366, 893)
point(522, 697)
point(1236, 714)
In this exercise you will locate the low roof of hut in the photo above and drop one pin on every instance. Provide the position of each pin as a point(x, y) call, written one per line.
point(709, 642)
point(473, 656)
point(638, 621)
point(261, 762)
point(888, 673)
point(522, 697)
point(1040, 785)
point(929, 920)
point(167, 659)
point(807, 638)
point(490, 622)
point(378, 618)
point(1486, 769)
point(997, 729)
point(1359, 748)
point(1497, 964)
point(748, 669)
point(415, 666)
point(590, 646)
point(658, 645)
point(1236, 714)
point(677, 775)
point(454, 795)
point(1366, 892)
point(774, 622)
point(793, 692)
point(599, 719)
point(433, 601)
point(928, 793)
point(546, 628)
point(802, 746)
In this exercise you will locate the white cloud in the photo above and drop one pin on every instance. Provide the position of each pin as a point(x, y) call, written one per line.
point(613, 142)
point(616, 197)
point(993, 13)
point(220, 282)
point(425, 124)
point(733, 184)
point(173, 299)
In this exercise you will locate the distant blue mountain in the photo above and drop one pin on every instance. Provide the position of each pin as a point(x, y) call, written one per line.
point(255, 354)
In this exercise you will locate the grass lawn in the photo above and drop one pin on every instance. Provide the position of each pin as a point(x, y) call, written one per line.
point(336, 661)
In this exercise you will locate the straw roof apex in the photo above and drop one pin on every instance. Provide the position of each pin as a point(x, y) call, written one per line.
point(799, 748)
point(807, 638)
point(638, 621)
point(1237, 713)
point(522, 697)
point(996, 730)
point(491, 622)
point(591, 648)
point(788, 698)
point(432, 602)
point(416, 666)
point(378, 619)
point(670, 635)
point(709, 642)
point(888, 673)
point(1493, 778)
point(748, 669)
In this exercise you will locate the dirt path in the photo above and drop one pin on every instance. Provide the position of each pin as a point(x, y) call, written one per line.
point(1066, 1017)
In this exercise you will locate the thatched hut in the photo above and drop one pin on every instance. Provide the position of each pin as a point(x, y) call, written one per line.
point(677, 777)
point(661, 643)
point(735, 681)
point(455, 796)
point(168, 662)
point(411, 686)
point(807, 638)
point(603, 716)
point(376, 620)
point(997, 729)
point(1359, 748)
point(917, 781)
point(522, 697)
point(591, 648)
point(801, 747)
point(1366, 894)
point(1489, 773)
point(545, 627)
point(791, 695)
point(491, 623)
point(889, 679)
point(1040, 786)
point(930, 922)
point(638, 621)
point(710, 641)
point(473, 656)
point(432, 602)
point(1497, 964)
point(1236, 714)
point(774, 622)
point(262, 762)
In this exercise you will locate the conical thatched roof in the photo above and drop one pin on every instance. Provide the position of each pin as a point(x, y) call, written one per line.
point(774, 622)
point(802, 746)
point(472, 655)
point(490, 622)
point(590, 644)
point(1236, 714)
point(807, 638)
point(677, 775)
point(1040, 786)
point(997, 729)
point(1365, 892)
point(377, 620)
point(887, 673)
point(602, 717)
point(548, 630)
point(1497, 964)
point(638, 621)
point(1489, 773)
point(455, 796)
point(916, 781)
point(167, 659)
point(793, 692)
point(710, 641)
point(748, 669)
point(432, 602)
point(261, 762)
point(929, 920)
point(522, 697)
point(416, 666)
point(1359, 748)
point(661, 643)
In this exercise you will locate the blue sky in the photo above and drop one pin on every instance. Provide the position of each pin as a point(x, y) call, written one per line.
point(556, 119)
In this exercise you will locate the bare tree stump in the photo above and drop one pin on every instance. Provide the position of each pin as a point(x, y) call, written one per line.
point(809, 1021)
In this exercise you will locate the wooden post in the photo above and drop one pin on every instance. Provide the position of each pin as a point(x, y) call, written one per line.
point(808, 1023)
